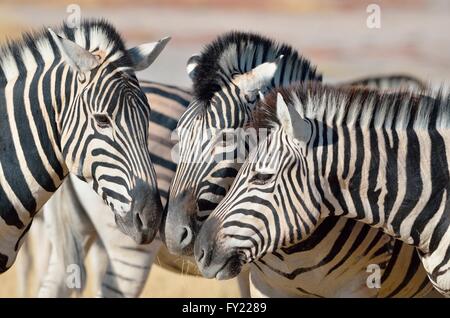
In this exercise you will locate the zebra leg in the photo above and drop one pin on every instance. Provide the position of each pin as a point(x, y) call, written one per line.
point(127, 263)
point(40, 249)
point(98, 264)
point(437, 265)
point(23, 265)
point(437, 261)
point(124, 268)
point(70, 233)
point(32, 260)
point(128, 269)
point(244, 283)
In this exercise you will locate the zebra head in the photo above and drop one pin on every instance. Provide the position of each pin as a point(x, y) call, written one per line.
point(229, 77)
point(260, 212)
point(104, 123)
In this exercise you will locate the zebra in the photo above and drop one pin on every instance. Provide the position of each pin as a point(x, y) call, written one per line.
point(76, 218)
point(198, 186)
point(378, 158)
point(73, 227)
point(112, 260)
point(70, 102)
point(228, 78)
point(32, 261)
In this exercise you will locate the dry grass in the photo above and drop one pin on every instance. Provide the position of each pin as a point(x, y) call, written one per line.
point(161, 283)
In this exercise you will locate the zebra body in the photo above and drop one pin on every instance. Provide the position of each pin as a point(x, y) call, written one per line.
point(393, 82)
point(228, 78)
point(200, 184)
point(341, 264)
point(378, 158)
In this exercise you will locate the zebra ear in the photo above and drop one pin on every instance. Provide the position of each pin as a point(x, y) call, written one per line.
point(283, 115)
point(291, 121)
point(192, 64)
point(144, 55)
point(259, 77)
point(77, 57)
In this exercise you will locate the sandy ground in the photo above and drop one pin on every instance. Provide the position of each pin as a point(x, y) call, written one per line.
point(160, 283)
point(414, 38)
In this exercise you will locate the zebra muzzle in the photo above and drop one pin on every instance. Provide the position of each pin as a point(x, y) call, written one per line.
point(180, 224)
point(215, 260)
point(144, 219)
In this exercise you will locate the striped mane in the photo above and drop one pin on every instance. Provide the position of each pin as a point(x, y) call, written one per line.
point(357, 107)
point(238, 52)
point(91, 35)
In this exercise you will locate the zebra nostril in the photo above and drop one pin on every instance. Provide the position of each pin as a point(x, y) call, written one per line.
point(138, 221)
point(184, 234)
point(186, 237)
point(202, 256)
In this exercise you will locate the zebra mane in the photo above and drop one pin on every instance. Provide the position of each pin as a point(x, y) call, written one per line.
point(239, 52)
point(357, 107)
point(90, 34)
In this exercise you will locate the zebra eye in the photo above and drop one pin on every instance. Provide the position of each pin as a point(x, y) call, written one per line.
point(261, 178)
point(102, 120)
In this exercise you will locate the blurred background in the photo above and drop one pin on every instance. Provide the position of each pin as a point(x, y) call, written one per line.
point(413, 37)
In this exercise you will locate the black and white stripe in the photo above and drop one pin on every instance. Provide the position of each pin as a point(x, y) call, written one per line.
point(76, 218)
point(200, 184)
point(378, 158)
point(228, 78)
point(71, 103)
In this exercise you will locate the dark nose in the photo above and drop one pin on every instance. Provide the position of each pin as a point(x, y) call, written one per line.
point(146, 212)
point(180, 224)
point(203, 257)
point(203, 250)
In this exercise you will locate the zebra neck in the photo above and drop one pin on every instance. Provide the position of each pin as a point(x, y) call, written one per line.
point(396, 180)
point(31, 164)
